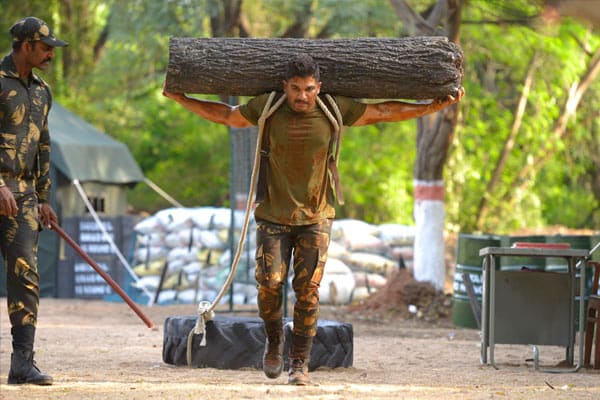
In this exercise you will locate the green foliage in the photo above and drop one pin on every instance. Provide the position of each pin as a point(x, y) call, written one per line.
point(112, 75)
point(494, 80)
point(332, 18)
point(376, 171)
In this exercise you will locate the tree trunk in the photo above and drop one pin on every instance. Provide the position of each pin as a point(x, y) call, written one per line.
point(376, 68)
point(433, 139)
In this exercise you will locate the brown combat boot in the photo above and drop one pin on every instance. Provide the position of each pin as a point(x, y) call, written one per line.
point(273, 356)
point(299, 358)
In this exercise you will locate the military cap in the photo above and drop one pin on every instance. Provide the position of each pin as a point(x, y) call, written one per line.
point(33, 29)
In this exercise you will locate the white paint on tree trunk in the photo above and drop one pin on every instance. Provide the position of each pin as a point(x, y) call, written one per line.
point(429, 265)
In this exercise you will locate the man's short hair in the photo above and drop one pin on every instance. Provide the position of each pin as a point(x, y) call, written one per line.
point(302, 65)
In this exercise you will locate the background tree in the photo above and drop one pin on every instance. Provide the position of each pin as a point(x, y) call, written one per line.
point(524, 101)
point(113, 71)
point(433, 140)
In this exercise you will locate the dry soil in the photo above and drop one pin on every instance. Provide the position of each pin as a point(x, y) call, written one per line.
point(102, 350)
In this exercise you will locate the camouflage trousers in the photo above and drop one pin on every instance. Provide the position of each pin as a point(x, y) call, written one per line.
point(18, 244)
point(275, 246)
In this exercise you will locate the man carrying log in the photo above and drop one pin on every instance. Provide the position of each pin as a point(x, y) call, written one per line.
point(296, 192)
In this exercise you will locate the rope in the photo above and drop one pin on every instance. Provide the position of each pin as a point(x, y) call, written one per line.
point(333, 155)
point(162, 193)
point(205, 308)
point(336, 121)
point(340, 124)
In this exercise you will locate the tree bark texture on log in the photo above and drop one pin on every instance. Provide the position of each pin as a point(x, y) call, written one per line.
point(422, 67)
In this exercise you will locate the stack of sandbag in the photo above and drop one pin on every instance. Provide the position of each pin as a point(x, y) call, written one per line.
point(370, 254)
point(190, 249)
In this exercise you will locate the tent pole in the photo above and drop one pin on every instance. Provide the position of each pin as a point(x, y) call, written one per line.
point(161, 192)
point(109, 239)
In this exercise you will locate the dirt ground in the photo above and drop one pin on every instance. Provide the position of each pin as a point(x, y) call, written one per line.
point(102, 350)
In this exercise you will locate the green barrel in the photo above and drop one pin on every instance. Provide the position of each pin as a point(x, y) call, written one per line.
point(468, 261)
point(595, 239)
point(518, 263)
point(560, 265)
point(575, 241)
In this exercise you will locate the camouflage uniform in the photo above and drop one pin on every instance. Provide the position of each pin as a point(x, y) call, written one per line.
point(275, 244)
point(296, 215)
point(24, 168)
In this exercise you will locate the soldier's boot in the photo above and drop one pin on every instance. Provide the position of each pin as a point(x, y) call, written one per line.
point(273, 356)
point(22, 365)
point(299, 359)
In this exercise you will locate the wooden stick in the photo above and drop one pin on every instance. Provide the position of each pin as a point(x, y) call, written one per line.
point(102, 273)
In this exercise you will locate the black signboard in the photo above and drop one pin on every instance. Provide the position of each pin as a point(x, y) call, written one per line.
point(78, 279)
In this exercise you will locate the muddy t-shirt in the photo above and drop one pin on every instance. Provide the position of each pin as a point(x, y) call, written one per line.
point(299, 186)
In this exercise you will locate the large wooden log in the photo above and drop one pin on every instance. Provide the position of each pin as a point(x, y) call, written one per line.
point(376, 68)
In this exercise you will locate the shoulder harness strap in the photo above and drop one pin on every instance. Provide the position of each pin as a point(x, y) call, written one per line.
point(338, 125)
point(265, 143)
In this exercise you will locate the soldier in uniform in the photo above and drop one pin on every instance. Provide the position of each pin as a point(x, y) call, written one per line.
point(295, 216)
point(25, 101)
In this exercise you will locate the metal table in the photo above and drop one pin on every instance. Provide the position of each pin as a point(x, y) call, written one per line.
point(532, 307)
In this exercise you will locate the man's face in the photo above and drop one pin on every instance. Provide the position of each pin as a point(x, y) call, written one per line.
point(302, 93)
point(39, 54)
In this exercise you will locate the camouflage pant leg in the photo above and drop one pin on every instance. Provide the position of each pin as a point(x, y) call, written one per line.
point(275, 246)
point(273, 254)
point(18, 242)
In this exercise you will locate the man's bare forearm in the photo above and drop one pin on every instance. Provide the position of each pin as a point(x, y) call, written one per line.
point(393, 111)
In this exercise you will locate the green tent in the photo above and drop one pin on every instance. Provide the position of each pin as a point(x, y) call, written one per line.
point(105, 170)
point(80, 151)
point(102, 165)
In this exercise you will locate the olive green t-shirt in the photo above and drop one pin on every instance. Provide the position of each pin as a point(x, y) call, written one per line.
point(299, 185)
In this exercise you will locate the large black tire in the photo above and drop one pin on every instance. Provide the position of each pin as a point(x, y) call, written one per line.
point(238, 342)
